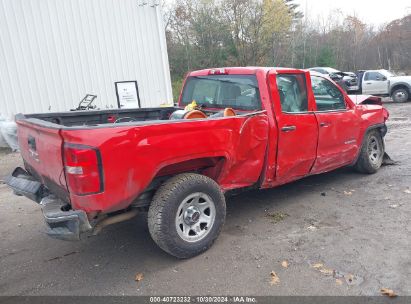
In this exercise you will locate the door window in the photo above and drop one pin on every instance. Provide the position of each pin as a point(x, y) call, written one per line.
point(293, 93)
point(222, 91)
point(327, 96)
point(373, 76)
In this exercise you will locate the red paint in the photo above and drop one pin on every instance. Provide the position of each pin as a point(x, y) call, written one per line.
point(236, 151)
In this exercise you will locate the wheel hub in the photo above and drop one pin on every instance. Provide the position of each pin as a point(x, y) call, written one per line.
point(191, 215)
point(195, 217)
point(374, 152)
point(400, 96)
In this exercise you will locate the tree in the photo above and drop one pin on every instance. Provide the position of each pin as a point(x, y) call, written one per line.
point(214, 33)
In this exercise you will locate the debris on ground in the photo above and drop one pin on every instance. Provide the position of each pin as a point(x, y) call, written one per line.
point(277, 216)
point(387, 161)
point(284, 264)
point(323, 194)
point(60, 257)
point(408, 191)
point(394, 206)
point(388, 292)
point(350, 279)
point(2, 182)
point(274, 278)
point(347, 192)
point(321, 268)
point(311, 228)
point(139, 277)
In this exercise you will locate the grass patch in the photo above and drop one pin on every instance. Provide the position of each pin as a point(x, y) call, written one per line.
point(276, 217)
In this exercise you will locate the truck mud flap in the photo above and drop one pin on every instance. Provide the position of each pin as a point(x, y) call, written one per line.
point(388, 161)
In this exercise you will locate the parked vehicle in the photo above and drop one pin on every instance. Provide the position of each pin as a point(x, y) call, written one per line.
point(351, 80)
point(234, 129)
point(347, 80)
point(385, 83)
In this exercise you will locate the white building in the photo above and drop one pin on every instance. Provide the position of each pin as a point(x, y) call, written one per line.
point(54, 52)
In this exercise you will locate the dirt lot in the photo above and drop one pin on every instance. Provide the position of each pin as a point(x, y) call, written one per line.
point(341, 233)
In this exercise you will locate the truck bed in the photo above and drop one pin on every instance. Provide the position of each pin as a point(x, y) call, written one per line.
point(143, 145)
point(99, 117)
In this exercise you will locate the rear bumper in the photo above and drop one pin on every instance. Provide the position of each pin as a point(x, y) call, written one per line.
point(64, 225)
point(23, 184)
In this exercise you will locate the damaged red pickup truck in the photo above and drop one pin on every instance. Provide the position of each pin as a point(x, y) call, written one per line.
point(251, 128)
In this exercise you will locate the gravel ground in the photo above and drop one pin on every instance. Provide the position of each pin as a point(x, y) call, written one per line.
point(341, 233)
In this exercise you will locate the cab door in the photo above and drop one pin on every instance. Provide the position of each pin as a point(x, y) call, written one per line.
point(338, 124)
point(297, 126)
point(374, 83)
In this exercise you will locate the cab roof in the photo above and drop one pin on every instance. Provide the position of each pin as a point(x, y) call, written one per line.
point(242, 70)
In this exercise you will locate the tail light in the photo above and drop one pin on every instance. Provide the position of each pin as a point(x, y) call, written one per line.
point(84, 172)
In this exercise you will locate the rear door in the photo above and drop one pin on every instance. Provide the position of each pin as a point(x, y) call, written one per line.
point(374, 83)
point(338, 126)
point(297, 126)
point(41, 149)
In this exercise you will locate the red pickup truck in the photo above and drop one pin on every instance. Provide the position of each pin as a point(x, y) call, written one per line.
point(251, 128)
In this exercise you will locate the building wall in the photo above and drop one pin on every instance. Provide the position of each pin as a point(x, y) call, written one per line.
point(53, 52)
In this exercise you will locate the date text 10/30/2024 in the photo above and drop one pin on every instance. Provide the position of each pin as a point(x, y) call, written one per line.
point(203, 299)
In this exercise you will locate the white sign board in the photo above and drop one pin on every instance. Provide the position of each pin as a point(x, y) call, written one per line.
point(127, 94)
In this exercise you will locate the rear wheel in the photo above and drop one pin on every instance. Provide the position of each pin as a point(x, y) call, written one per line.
point(371, 154)
point(400, 95)
point(186, 215)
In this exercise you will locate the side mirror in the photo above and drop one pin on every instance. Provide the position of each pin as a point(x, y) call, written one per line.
point(384, 78)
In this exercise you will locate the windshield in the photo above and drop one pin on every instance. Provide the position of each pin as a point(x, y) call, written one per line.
point(223, 91)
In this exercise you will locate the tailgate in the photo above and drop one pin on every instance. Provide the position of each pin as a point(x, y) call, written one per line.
point(41, 149)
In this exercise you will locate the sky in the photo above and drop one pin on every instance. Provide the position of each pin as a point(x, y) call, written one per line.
point(375, 12)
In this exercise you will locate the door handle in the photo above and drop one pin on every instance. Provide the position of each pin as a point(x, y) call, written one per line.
point(368, 83)
point(288, 128)
point(325, 124)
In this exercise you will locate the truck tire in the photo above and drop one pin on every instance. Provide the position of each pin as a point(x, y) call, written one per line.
point(400, 95)
point(371, 154)
point(186, 215)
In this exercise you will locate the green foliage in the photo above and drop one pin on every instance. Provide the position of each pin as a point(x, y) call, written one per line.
point(326, 57)
point(216, 33)
point(176, 86)
point(211, 33)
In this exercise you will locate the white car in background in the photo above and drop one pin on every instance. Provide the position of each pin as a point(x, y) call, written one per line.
point(385, 83)
point(347, 80)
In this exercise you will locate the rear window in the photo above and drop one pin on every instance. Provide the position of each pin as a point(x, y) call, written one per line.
point(222, 91)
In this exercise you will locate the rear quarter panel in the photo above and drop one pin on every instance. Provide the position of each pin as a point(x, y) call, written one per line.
point(133, 155)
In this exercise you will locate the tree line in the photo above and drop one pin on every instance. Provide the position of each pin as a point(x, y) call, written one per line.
point(216, 33)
